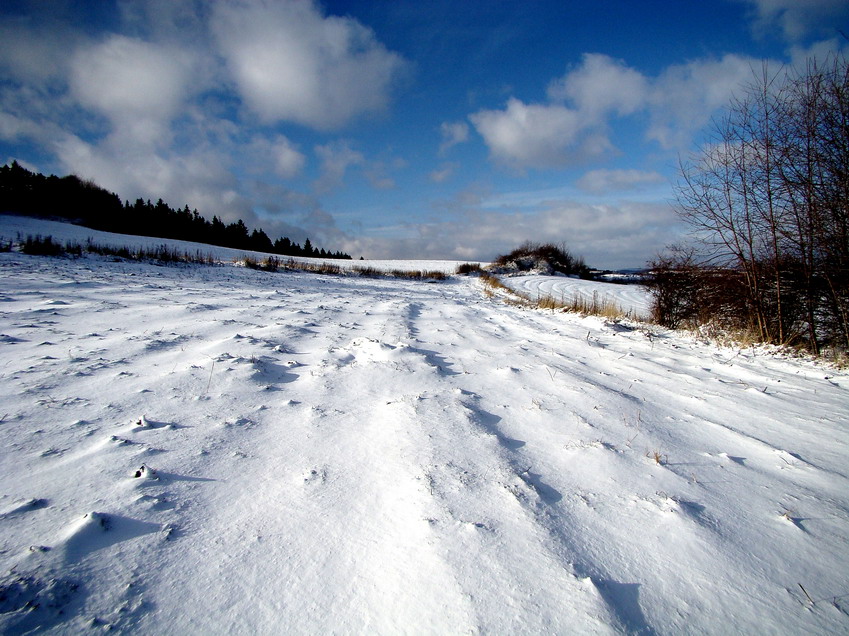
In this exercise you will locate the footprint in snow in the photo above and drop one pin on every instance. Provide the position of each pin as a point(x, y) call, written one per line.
point(314, 476)
point(156, 502)
point(242, 422)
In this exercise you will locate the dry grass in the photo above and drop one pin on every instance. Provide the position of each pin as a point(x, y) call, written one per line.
point(163, 254)
point(598, 305)
point(657, 457)
point(468, 268)
point(333, 269)
point(493, 282)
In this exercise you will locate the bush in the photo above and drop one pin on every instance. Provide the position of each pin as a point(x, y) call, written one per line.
point(546, 257)
point(686, 294)
point(41, 246)
point(468, 268)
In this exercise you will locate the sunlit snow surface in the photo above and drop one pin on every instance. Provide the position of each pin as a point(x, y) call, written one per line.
point(214, 450)
point(631, 299)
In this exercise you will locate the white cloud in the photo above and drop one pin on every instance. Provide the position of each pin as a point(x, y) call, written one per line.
point(529, 135)
point(291, 63)
point(453, 133)
point(685, 96)
point(377, 172)
point(275, 155)
point(14, 128)
point(604, 181)
point(555, 134)
point(137, 85)
point(288, 161)
point(798, 18)
point(822, 51)
point(574, 125)
point(601, 85)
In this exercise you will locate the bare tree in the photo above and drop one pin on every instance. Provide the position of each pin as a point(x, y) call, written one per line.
point(768, 200)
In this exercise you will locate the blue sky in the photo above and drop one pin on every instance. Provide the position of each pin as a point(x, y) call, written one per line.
point(400, 129)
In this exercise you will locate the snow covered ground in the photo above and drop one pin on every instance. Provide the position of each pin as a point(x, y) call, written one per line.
point(632, 299)
point(215, 450)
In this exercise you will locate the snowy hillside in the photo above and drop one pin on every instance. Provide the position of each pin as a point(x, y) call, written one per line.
point(13, 226)
point(216, 450)
point(634, 300)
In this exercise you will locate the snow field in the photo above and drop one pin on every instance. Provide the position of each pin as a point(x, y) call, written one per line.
point(218, 450)
point(633, 300)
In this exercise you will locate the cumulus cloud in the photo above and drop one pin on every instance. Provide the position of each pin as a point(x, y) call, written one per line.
point(35, 55)
point(453, 133)
point(200, 179)
point(136, 85)
point(530, 135)
point(685, 96)
point(573, 126)
point(288, 160)
point(291, 63)
point(377, 172)
point(600, 85)
point(604, 181)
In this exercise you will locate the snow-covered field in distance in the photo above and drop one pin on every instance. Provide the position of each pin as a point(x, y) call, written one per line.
point(217, 450)
point(634, 300)
point(11, 226)
point(631, 298)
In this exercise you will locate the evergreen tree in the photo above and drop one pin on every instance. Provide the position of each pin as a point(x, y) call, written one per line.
point(84, 202)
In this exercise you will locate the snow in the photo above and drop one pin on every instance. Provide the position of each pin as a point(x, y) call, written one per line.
point(195, 449)
point(632, 299)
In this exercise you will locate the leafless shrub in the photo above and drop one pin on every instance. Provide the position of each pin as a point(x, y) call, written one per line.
point(768, 200)
point(468, 268)
point(542, 256)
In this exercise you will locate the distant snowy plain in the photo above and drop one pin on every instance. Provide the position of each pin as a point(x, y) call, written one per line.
point(216, 450)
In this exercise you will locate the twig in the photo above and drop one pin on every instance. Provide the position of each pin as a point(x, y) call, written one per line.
point(806, 594)
point(211, 369)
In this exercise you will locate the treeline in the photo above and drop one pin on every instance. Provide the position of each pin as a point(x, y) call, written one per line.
point(86, 203)
point(768, 198)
